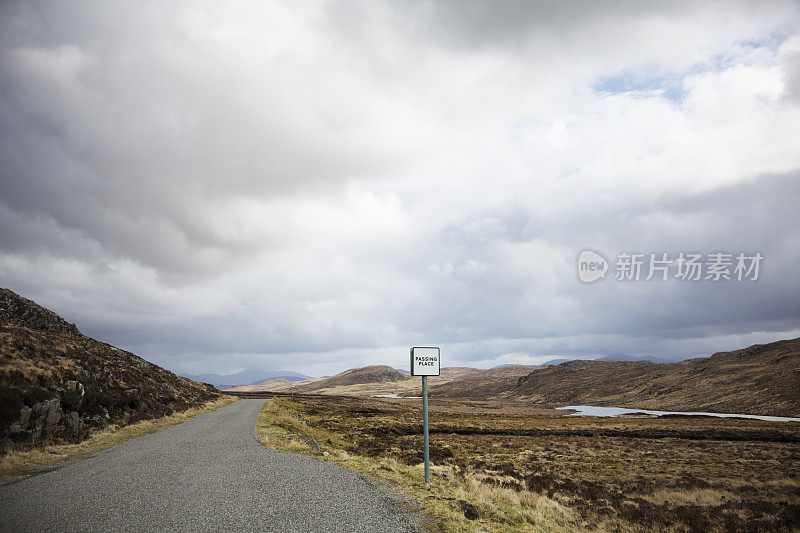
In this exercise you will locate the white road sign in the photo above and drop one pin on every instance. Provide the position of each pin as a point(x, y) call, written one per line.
point(424, 361)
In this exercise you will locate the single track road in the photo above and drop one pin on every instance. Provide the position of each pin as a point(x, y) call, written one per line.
point(207, 474)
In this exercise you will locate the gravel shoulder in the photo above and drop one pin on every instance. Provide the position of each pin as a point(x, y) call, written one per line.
point(207, 474)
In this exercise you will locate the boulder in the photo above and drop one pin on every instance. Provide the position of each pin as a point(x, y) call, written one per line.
point(76, 387)
point(303, 437)
point(24, 416)
point(44, 418)
point(74, 424)
point(470, 512)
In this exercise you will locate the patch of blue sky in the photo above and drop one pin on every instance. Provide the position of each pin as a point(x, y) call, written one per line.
point(668, 86)
point(745, 51)
point(648, 82)
point(771, 41)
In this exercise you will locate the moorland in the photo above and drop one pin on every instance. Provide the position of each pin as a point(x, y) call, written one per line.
point(530, 467)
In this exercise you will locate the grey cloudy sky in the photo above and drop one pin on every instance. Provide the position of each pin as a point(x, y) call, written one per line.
point(313, 186)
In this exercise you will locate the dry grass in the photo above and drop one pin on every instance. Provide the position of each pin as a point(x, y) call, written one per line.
point(500, 509)
point(534, 471)
point(702, 497)
point(18, 462)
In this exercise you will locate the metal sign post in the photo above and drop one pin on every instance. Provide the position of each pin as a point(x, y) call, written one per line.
point(425, 429)
point(425, 362)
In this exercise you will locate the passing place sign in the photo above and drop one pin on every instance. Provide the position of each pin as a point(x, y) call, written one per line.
point(424, 361)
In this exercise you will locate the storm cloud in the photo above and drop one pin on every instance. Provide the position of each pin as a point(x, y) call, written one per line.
point(312, 186)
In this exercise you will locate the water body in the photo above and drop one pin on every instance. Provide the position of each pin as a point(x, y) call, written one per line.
point(395, 396)
point(589, 410)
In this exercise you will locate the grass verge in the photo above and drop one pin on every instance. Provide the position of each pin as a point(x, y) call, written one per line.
point(19, 462)
point(282, 426)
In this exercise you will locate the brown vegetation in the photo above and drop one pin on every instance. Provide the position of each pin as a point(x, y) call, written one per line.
point(761, 379)
point(355, 376)
point(57, 385)
point(539, 470)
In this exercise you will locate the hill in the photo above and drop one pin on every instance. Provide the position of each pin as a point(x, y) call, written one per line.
point(56, 384)
point(761, 379)
point(481, 384)
point(355, 376)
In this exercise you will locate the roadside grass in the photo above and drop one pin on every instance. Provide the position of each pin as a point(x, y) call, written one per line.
point(18, 462)
point(538, 471)
point(282, 426)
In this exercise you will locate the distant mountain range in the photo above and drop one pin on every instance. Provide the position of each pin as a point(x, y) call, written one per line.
point(381, 379)
point(365, 375)
point(254, 378)
point(604, 358)
point(634, 358)
point(762, 379)
point(246, 377)
point(550, 362)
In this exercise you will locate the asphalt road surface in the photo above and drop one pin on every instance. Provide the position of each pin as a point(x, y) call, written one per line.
point(207, 474)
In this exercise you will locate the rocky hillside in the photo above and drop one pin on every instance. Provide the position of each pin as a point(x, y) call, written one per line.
point(19, 311)
point(762, 379)
point(56, 384)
